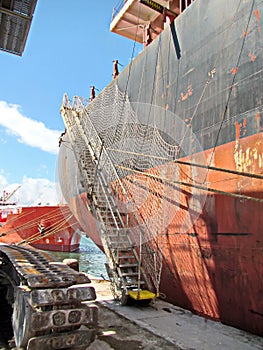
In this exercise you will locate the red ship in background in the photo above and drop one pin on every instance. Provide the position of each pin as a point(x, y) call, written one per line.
point(52, 228)
point(172, 149)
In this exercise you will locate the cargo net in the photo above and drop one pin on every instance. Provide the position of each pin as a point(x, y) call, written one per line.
point(138, 146)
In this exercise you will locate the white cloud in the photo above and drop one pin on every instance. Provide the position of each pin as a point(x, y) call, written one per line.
point(28, 131)
point(32, 191)
point(3, 181)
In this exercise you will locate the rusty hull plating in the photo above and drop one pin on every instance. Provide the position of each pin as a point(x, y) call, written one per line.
point(206, 69)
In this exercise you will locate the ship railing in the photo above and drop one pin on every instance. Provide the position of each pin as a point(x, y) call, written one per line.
point(66, 101)
point(183, 5)
point(107, 176)
point(117, 8)
point(76, 103)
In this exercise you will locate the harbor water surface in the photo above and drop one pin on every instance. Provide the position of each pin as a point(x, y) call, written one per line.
point(91, 259)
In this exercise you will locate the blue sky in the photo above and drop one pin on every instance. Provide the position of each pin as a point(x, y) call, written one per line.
point(69, 48)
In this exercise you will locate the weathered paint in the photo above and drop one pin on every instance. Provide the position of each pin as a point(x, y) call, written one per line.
point(213, 260)
point(61, 231)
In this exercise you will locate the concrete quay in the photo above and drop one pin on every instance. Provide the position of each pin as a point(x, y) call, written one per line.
point(162, 326)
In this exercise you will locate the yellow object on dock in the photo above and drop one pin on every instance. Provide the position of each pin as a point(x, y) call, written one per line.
point(142, 295)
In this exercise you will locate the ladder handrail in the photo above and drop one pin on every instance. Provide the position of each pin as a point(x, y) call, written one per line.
point(93, 145)
point(103, 236)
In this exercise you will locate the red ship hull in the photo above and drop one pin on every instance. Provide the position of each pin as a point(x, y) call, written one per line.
point(197, 87)
point(214, 268)
point(211, 269)
point(44, 227)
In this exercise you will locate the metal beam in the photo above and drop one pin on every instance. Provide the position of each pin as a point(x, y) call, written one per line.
point(15, 14)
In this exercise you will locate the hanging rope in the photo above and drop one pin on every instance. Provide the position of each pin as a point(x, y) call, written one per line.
point(50, 216)
point(234, 78)
point(229, 171)
point(210, 77)
point(55, 229)
point(187, 184)
point(32, 223)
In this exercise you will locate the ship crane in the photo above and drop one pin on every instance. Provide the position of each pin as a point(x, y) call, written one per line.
point(12, 193)
point(5, 197)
